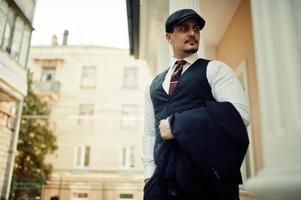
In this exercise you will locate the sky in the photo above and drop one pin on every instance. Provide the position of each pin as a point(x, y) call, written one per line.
point(89, 22)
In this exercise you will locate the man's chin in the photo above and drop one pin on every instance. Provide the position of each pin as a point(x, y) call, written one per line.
point(192, 50)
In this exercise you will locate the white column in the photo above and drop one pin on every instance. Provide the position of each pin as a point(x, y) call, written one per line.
point(195, 5)
point(13, 148)
point(277, 30)
point(180, 4)
point(162, 44)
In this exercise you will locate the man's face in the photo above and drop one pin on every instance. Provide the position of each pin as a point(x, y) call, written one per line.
point(185, 38)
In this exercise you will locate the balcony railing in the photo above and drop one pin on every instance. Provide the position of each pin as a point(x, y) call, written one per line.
point(48, 89)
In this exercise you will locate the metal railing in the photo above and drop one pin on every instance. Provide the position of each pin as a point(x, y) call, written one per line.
point(47, 86)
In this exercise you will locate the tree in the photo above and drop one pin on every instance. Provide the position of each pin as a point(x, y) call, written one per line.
point(36, 139)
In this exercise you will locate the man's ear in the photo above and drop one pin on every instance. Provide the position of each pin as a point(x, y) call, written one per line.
point(168, 37)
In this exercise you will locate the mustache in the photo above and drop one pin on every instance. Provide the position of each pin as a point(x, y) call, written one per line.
point(191, 40)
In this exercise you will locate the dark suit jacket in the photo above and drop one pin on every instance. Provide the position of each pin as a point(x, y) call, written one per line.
point(210, 144)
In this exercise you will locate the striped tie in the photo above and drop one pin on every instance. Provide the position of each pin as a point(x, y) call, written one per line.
point(175, 76)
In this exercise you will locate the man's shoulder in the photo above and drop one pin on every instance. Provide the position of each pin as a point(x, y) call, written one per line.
point(217, 64)
point(202, 62)
point(217, 69)
point(160, 76)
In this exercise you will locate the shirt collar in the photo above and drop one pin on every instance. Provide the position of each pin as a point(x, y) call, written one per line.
point(189, 59)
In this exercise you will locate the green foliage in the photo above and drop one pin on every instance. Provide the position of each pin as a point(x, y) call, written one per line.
point(36, 139)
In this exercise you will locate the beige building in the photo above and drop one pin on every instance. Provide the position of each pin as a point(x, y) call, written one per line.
point(260, 40)
point(15, 33)
point(97, 102)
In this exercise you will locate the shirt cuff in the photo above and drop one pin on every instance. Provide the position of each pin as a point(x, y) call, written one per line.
point(149, 171)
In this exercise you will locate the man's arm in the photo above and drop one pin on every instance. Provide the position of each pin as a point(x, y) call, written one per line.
point(149, 136)
point(225, 86)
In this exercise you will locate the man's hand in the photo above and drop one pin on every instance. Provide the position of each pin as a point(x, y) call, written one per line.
point(165, 130)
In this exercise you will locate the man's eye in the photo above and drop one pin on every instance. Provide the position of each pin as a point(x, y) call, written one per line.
point(197, 28)
point(183, 28)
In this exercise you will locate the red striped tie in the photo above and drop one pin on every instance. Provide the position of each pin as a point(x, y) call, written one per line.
point(175, 76)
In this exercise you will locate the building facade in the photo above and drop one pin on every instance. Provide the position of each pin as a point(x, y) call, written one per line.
point(259, 40)
point(96, 96)
point(15, 33)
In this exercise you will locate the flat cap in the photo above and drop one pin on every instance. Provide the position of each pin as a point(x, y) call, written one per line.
point(181, 15)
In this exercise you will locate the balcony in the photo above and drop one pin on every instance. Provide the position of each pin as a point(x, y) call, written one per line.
point(13, 76)
point(47, 90)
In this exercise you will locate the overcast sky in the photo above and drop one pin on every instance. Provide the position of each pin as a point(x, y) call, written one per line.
point(89, 22)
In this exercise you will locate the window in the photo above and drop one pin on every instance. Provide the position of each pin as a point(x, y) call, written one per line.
point(25, 46)
point(3, 13)
point(86, 112)
point(128, 157)
point(89, 77)
point(80, 196)
point(14, 34)
point(126, 196)
point(17, 39)
point(130, 77)
point(8, 32)
point(48, 74)
point(82, 156)
point(129, 115)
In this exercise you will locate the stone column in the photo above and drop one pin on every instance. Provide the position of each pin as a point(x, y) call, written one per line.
point(277, 30)
point(195, 5)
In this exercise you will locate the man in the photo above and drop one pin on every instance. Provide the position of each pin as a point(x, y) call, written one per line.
point(195, 117)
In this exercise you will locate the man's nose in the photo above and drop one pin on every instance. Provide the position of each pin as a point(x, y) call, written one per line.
point(191, 32)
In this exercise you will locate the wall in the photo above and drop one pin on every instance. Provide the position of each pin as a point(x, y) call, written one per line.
point(235, 46)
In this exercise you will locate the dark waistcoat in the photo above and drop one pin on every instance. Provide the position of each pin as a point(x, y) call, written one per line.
point(191, 92)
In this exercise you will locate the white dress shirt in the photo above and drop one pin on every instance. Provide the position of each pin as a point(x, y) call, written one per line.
point(225, 86)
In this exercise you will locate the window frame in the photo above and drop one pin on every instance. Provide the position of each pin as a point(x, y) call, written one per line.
point(10, 22)
point(7, 39)
point(44, 70)
point(5, 20)
point(18, 20)
point(86, 122)
point(126, 198)
point(127, 158)
point(129, 115)
point(84, 85)
point(82, 153)
point(128, 71)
